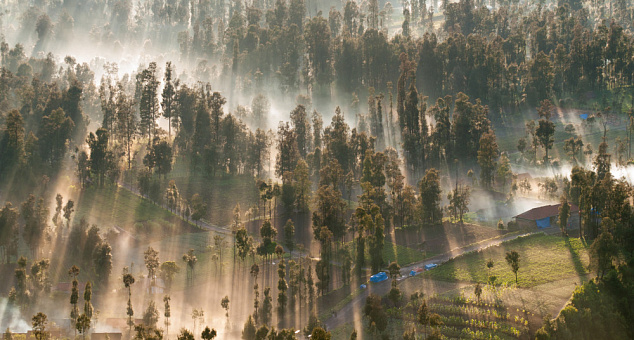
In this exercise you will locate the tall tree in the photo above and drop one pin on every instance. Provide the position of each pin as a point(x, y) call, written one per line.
point(513, 260)
point(564, 215)
point(487, 156)
point(102, 159)
point(102, 259)
point(128, 280)
point(287, 147)
point(55, 131)
point(127, 122)
point(11, 142)
point(430, 191)
point(39, 322)
point(191, 260)
point(147, 93)
point(88, 308)
point(167, 314)
point(168, 98)
point(545, 131)
point(151, 258)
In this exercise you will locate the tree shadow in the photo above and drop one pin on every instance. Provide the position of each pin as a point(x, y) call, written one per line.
point(576, 259)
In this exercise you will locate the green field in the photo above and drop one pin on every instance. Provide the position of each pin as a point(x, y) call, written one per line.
point(543, 259)
point(115, 206)
point(395, 252)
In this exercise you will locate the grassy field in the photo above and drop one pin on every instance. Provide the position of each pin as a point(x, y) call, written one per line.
point(394, 252)
point(543, 259)
point(116, 206)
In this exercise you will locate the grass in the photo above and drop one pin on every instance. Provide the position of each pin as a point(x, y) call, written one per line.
point(394, 252)
point(110, 206)
point(403, 255)
point(543, 259)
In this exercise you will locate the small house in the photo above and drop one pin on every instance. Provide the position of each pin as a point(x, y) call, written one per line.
point(546, 217)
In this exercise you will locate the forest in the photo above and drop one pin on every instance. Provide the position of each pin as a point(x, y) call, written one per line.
point(294, 169)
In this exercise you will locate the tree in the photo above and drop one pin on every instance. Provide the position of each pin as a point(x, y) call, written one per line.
point(191, 260)
point(83, 324)
point(377, 241)
point(564, 215)
point(573, 147)
point(151, 258)
point(167, 314)
point(55, 131)
point(544, 133)
point(394, 270)
point(248, 333)
point(88, 308)
point(169, 93)
point(147, 91)
point(244, 243)
point(289, 235)
point(429, 201)
point(301, 130)
point(288, 152)
point(603, 249)
point(74, 295)
point(197, 315)
point(9, 233)
point(127, 122)
point(267, 307)
point(513, 260)
point(102, 260)
point(35, 216)
point(282, 287)
point(151, 315)
point(546, 129)
point(208, 334)
point(459, 201)
point(224, 303)
point(422, 315)
point(374, 311)
point(268, 234)
point(490, 265)
point(159, 156)
point(39, 322)
point(199, 208)
point(128, 280)
point(477, 290)
point(302, 186)
point(11, 142)
point(320, 334)
point(317, 38)
point(185, 335)
point(487, 155)
point(102, 160)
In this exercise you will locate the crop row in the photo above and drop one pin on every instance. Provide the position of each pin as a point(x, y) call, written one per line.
point(467, 333)
point(482, 324)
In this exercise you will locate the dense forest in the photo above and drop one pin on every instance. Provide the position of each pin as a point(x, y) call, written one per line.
point(310, 144)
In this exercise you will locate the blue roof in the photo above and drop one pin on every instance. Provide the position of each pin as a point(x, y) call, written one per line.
point(583, 116)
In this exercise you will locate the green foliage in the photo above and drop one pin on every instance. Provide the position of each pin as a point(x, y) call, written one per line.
point(373, 309)
point(429, 199)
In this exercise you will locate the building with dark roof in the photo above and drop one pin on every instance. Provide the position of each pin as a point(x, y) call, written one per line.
point(546, 217)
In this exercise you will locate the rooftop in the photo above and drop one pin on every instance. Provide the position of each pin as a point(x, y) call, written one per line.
point(545, 211)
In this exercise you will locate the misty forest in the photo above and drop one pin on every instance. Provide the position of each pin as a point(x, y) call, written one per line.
point(316, 169)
